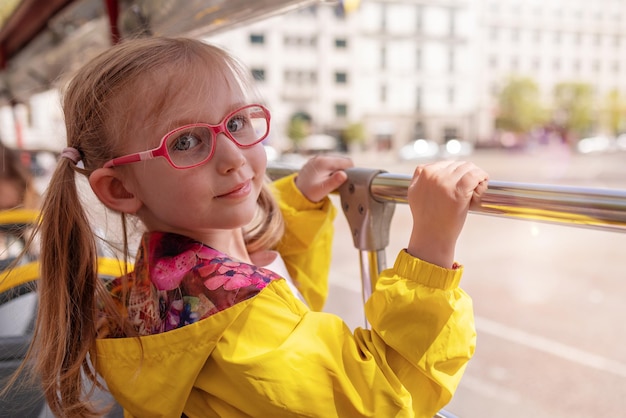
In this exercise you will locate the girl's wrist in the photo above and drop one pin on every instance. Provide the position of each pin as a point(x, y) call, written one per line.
point(440, 255)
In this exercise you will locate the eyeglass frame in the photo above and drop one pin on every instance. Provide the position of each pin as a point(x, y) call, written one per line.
point(161, 149)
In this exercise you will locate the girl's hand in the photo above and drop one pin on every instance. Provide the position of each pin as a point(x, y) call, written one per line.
point(321, 175)
point(440, 196)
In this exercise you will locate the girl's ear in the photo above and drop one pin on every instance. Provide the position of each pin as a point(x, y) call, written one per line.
point(110, 190)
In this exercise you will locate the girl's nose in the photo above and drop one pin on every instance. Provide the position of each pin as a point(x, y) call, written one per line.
point(228, 156)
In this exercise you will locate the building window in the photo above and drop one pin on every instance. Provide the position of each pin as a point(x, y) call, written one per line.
point(258, 74)
point(257, 38)
point(452, 24)
point(419, 18)
point(495, 90)
point(451, 60)
point(300, 41)
point(418, 59)
point(418, 99)
point(494, 34)
point(597, 39)
point(450, 132)
point(301, 77)
point(341, 78)
point(341, 43)
point(578, 38)
point(596, 66)
point(418, 130)
point(383, 93)
point(341, 110)
point(451, 95)
point(383, 58)
point(383, 17)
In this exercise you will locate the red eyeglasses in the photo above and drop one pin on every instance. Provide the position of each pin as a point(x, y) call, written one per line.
point(193, 145)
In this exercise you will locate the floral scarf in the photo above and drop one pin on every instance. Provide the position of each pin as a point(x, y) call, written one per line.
point(178, 281)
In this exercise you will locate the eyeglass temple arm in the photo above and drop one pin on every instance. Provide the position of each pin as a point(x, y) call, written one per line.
point(132, 158)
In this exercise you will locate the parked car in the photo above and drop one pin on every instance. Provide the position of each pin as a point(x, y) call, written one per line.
point(419, 149)
point(455, 148)
point(595, 144)
point(424, 149)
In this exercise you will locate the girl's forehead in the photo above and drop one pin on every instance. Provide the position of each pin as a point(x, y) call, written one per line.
point(196, 90)
point(164, 100)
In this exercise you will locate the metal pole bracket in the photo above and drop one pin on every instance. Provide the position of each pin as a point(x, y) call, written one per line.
point(369, 219)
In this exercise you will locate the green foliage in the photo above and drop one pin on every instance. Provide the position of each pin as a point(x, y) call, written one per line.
point(519, 106)
point(615, 109)
point(298, 129)
point(354, 133)
point(573, 104)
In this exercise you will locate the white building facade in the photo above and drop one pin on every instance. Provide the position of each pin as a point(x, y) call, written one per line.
point(403, 69)
point(432, 69)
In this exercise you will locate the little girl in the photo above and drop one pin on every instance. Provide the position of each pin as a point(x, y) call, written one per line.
point(167, 130)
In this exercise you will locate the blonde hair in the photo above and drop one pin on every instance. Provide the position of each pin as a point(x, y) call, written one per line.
point(70, 290)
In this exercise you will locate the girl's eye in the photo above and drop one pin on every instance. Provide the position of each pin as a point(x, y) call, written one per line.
point(236, 123)
point(185, 142)
point(190, 146)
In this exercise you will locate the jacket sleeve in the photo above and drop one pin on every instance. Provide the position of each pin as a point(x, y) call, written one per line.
point(306, 246)
point(426, 322)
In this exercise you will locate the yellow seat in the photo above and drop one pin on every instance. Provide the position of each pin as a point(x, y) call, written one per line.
point(13, 221)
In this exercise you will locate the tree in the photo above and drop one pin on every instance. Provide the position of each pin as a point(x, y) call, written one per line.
point(573, 103)
point(519, 106)
point(354, 134)
point(615, 109)
point(298, 129)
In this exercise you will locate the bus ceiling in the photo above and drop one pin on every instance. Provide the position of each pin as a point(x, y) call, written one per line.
point(40, 40)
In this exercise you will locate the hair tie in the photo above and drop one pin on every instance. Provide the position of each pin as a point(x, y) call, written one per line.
point(71, 154)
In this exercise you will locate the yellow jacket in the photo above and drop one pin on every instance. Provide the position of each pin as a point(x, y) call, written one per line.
point(271, 356)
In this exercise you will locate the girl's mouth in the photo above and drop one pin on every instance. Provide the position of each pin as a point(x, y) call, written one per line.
point(241, 190)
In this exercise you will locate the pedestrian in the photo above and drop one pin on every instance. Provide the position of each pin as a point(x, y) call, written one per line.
point(170, 131)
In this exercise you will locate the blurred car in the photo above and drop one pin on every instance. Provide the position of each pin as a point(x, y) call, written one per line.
point(419, 149)
point(620, 142)
point(455, 148)
point(595, 144)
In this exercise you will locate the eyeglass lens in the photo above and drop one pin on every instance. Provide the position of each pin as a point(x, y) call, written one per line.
point(190, 146)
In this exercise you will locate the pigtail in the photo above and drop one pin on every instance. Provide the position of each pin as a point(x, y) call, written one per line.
point(67, 314)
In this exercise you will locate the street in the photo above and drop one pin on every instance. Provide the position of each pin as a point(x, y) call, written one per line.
point(549, 299)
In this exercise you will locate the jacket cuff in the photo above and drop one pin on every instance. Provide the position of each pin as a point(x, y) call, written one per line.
point(427, 274)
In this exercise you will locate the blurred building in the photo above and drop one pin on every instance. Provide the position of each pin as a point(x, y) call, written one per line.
point(431, 69)
point(402, 68)
point(551, 42)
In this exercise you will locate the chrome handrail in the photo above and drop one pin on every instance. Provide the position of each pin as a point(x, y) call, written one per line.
point(575, 206)
point(567, 205)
